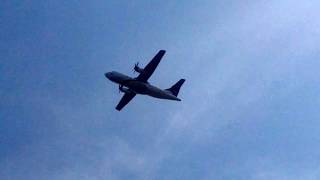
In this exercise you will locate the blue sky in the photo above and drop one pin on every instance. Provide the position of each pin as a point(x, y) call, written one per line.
point(250, 103)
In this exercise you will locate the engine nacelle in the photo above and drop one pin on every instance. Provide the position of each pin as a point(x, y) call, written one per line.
point(137, 68)
point(124, 90)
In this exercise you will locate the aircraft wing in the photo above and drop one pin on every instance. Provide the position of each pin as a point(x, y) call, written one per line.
point(127, 97)
point(149, 69)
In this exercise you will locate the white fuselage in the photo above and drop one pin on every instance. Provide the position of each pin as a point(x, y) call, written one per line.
point(140, 87)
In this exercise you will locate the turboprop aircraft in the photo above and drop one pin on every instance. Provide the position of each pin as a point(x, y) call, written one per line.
point(140, 85)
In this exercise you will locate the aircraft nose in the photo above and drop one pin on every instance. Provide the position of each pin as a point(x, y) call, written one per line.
point(108, 75)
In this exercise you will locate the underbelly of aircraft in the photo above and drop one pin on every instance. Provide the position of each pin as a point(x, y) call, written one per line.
point(161, 94)
point(138, 87)
point(147, 89)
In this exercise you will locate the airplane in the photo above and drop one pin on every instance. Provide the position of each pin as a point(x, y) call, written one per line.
point(140, 85)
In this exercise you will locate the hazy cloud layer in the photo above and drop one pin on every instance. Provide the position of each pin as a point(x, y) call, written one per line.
point(250, 102)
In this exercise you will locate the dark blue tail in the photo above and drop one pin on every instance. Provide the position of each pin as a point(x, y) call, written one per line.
point(176, 87)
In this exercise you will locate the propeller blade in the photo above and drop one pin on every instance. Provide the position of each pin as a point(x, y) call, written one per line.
point(120, 87)
point(136, 65)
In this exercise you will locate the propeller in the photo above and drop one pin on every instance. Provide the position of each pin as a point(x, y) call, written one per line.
point(136, 65)
point(120, 87)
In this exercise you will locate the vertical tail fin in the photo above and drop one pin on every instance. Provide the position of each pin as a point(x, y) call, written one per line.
point(176, 87)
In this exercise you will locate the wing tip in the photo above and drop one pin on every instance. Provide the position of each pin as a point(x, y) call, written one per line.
point(162, 51)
